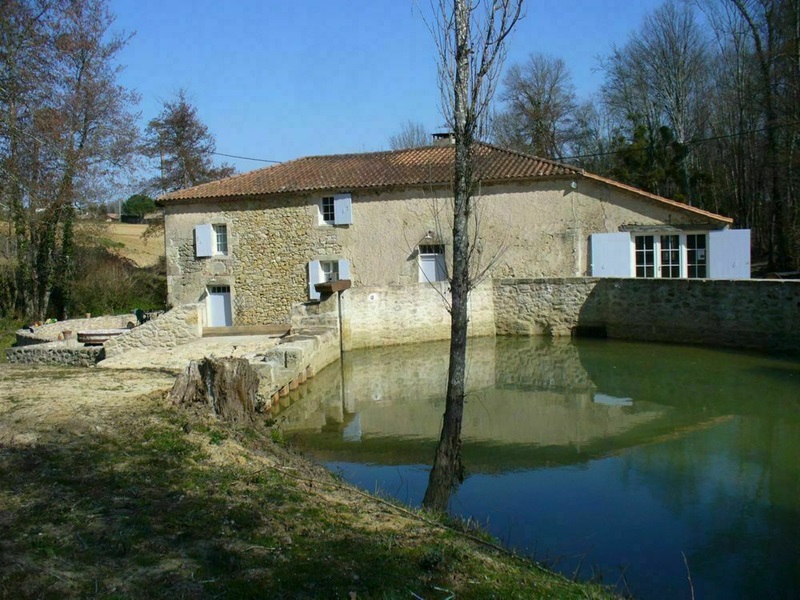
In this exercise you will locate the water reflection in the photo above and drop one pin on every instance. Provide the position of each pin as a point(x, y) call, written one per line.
point(599, 455)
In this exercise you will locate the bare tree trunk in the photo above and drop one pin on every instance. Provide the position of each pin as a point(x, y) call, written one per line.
point(468, 81)
point(447, 468)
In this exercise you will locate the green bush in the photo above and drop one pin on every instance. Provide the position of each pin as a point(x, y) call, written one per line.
point(105, 283)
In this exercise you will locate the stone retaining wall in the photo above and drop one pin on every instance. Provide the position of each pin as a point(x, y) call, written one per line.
point(402, 314)
point(175, 327)
point(753, 314)
point(51, 331)
point(69, 353)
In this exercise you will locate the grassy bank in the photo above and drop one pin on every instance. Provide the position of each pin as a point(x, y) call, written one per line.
point(113, 494)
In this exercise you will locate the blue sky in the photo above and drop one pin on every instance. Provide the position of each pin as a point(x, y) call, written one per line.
point(282, 79)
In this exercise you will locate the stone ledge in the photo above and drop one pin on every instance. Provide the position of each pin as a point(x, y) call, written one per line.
point(68, 353)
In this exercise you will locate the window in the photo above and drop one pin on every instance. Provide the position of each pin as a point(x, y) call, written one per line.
point(330, 270)
point(696, 255)
point(670, 255)
point(320, 271)
point(431, 263)
point(336, 210)
point(327, 208)
point(645, 256)
point(220, 239)
point(211, 240)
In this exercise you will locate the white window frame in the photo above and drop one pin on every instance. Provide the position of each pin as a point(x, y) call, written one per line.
point(336, 209)
point(659, 253)
point(437, 252)
point(220, 239)
point(317, 273)
point(327, 211)
point(330, 270)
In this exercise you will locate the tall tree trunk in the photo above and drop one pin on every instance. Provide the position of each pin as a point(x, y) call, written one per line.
point(447, 468)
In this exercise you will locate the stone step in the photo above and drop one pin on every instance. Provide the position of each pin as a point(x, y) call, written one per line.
point(246, 330)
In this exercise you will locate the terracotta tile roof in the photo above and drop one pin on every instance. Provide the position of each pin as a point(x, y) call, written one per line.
point(374, 170)
point(432, 165)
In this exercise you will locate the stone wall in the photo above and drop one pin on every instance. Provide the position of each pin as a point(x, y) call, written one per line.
point(753, 314)
point(403, 314)
point(51, 331)
point(270, 243)
point(171, 329)
point(69, 353)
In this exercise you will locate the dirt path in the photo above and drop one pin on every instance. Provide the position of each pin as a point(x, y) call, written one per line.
point(39, 404)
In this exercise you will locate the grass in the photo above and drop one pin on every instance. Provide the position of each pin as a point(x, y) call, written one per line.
point(165, 503)
point(7, 338)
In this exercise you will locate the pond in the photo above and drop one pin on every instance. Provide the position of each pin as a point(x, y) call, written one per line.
point(639, 465)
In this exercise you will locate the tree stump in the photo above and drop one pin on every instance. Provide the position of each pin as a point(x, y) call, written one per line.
point(227, 386)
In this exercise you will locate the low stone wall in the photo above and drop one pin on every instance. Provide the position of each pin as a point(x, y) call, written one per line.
point(51, 331)
point(402, 314)
point(69, 353)
point(753, 314)
point(175, 327)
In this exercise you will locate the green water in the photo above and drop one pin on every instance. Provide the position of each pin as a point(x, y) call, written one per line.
point(608, 460)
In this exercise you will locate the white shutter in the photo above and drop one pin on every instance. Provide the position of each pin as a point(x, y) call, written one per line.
point(729, 254)
point(611, 254)
point(344, 268)
point(342, 209)
point(203, 240)
point(314, 277)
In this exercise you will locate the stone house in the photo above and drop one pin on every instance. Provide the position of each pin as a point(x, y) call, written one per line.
point(253, 245)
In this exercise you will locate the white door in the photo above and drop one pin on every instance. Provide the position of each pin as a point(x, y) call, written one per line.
point(219, 306)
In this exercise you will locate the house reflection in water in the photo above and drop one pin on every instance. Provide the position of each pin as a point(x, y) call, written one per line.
point(530, 402)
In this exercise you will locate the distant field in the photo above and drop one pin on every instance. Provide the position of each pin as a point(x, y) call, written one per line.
point(126, 239)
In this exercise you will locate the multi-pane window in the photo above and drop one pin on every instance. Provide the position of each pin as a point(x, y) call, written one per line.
point(670, 264)
point(670, 255)
point(645, 256)
point(330, 270)
point(328, 209)
point(220, 239)
point(696, 255)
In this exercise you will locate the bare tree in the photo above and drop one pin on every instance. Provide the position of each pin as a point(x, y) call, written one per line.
point(65, 123)
point(412, 135)
point(660, 73)
point(540, 107)
point(470, 36)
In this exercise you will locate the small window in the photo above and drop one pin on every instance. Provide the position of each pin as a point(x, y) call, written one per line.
point(330, 270)
point(220, 239)
point(328, 210)
point(431, 263)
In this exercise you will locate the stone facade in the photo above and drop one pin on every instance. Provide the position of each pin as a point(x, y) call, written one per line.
point(171, 329)
point(755, 314)
point(535, 229)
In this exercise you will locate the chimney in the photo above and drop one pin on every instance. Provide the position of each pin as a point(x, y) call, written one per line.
point(445, 138)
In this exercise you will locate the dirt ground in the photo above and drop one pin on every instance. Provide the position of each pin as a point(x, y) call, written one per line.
point(110, 491)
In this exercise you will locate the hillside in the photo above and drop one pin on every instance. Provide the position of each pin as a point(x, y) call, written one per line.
point(126, 240)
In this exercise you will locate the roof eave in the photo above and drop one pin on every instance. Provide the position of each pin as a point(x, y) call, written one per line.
point(660, 199)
